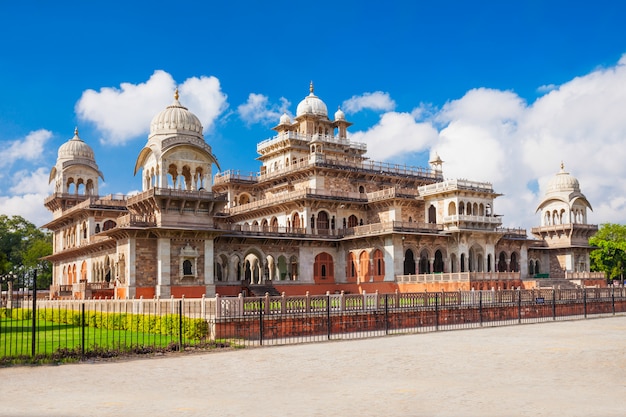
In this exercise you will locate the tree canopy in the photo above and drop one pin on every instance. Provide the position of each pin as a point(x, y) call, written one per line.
point(610, 255)
point(22, 244)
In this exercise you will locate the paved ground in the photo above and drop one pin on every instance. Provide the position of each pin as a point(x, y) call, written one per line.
point(571, 369)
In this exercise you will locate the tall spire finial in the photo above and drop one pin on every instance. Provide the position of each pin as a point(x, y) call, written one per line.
point(562, 166)
point(176, 94)
point(311, 87)
point(76, 131)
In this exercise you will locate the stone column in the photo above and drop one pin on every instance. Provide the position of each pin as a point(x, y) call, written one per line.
point(209, 270)
point(163, 289)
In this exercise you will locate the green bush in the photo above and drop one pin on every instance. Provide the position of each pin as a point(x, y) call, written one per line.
point(193, 328)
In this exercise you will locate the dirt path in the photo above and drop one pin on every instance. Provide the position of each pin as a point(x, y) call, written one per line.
point(570, 369)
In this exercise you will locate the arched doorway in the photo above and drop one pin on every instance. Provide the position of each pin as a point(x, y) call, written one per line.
point(438, 263)
point(409, 262)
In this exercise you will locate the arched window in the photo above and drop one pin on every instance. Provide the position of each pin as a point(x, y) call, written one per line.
point(514, 266)
point(502, 262)
point(322, 221)
point(187, 270)
point(351, 267)
point(295, 221)
point(364, 267)
point(432, 214)
point(353, 221)
point(424, 265)
point(462, 262)
point(451, 209)
point(379, 265)
point(323, 268)
point(109, 224)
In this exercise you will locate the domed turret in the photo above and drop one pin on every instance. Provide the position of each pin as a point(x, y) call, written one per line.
point(563, 202)
point(563, 182)
point(340, 115)
point(284, 119)
point(75, 148)
point(312, 105)
point(76, 166)
point(175, 119)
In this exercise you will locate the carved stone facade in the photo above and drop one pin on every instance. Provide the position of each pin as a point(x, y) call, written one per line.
point(319, 216)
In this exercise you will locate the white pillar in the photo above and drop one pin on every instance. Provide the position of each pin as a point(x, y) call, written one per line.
point(163, 289)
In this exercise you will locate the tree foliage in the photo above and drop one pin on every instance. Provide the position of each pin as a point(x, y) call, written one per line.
point(610, 255)
point(22, 245)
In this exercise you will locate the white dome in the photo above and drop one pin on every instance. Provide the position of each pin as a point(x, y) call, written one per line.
point(175, 117)
point(284, 119)
point(75, 148)
point(340, 115)
point(312, 105)
point(563, 182)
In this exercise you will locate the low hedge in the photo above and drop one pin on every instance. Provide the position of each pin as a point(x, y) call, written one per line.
point(193, 328)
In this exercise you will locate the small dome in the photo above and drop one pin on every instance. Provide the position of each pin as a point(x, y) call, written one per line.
point(75, 148)
point(340, 115)
point(284, 119)
point(175, 117)
point(563, 182)
point(312, 105)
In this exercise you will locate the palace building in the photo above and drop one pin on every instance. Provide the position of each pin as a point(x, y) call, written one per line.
point(319, 216)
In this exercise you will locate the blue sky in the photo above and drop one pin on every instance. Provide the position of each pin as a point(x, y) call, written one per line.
point(503, 91)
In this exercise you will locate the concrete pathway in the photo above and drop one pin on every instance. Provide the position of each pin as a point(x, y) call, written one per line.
point(575, 368)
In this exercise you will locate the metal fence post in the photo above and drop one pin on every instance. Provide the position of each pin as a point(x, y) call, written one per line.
point(261, 321)
point(480, 307)
point(436, 311)
point(613, 299)
point(82, 331)
point(585, 301)
point(328, 324)
point(553, 304)
point(34, 328)
point(386, 314)
point(519, 305)
point(180, 325)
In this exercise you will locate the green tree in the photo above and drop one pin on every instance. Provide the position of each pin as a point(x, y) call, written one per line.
point(22, 244)
point(610, 255)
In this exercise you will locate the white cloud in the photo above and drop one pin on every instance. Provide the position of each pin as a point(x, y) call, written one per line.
point(29, 148)
point(396, 134)
point(29, 182)
point(124, 113)
point(29, 206)
point(29, 190)
point(377, 100)
point(204, 98)
point(258, 110)
point(495, 136)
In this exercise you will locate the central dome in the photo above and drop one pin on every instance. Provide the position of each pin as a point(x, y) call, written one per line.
point(312, 105)
point(175, 117)
point(75, 148)
point(563, 181)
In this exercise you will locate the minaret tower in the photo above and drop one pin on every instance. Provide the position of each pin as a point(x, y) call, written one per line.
point(75, 176)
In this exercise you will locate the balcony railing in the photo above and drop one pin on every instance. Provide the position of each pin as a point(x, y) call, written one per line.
point(326, 161)
point(458, 277)
point(309, 138)
point(458, 184)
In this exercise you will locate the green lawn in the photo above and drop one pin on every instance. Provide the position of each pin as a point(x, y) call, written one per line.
point(16, 338)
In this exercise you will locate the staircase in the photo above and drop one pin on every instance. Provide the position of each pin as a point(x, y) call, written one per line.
point(259, 290)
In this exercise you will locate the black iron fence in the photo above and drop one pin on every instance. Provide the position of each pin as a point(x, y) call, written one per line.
point(85, 328)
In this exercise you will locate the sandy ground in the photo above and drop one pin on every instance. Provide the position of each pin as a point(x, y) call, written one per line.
point(575, 368)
